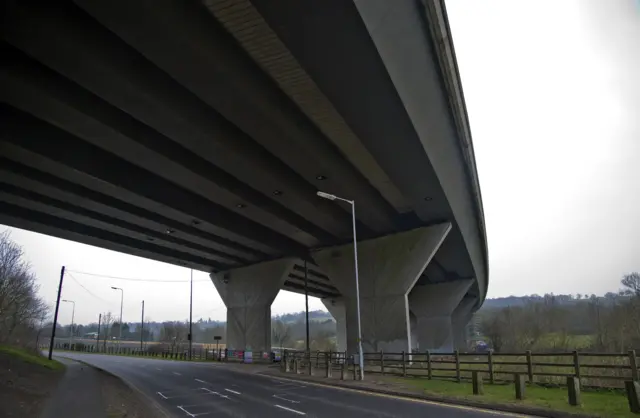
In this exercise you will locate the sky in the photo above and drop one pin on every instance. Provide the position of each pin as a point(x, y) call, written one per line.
point(553, 96)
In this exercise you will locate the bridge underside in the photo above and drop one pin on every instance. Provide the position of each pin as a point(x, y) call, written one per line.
point(197, 133)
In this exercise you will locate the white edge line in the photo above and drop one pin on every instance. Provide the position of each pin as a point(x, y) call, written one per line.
point(290, 410)
point(159, 393)
point(186, 412)
point(233, 391)
point(285, 399)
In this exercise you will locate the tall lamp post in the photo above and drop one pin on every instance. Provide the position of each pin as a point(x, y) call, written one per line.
point(121, 301)
point(73, 313)
point(355, 256)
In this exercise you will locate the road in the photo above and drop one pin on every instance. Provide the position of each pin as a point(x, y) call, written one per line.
point(187, 390)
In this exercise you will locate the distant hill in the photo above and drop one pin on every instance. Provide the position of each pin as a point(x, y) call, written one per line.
point(497, 303)
point(320, 316)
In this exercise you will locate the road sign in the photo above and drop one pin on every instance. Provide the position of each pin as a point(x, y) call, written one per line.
point(217, 338)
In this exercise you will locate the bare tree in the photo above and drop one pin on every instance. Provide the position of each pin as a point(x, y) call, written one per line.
point(281, 333)
point(631, 282)
point(20, 307)
point(107, 322)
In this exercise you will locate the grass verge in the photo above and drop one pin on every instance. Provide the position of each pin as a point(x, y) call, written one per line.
point(31, 358)
point(602, 403)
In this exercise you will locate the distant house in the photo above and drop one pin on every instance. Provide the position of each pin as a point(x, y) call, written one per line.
point(91, 335)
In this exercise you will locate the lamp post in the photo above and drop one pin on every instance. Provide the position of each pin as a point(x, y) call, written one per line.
point(73, 313)
point(121, 301)
point(355, 256)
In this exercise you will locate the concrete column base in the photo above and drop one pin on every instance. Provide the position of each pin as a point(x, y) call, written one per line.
point(249, 328)
point(248, 293)
point(389, 268)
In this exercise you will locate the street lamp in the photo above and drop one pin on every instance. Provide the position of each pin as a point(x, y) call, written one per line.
point(121, 301)
point(355, 256)
point(73, 312)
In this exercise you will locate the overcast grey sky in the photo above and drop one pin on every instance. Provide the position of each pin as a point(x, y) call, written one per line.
point(553, 98)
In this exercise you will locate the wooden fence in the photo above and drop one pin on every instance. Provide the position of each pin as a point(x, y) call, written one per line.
point(608, 370)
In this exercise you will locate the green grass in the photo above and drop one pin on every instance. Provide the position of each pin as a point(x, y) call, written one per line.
point(31, 357)
point(603, 404)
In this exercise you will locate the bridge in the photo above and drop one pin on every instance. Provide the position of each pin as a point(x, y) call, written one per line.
point(198, 133)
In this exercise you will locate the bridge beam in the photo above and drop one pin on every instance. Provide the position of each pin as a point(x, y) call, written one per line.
point(389, 267)
point(248, 293)
point(434, 305)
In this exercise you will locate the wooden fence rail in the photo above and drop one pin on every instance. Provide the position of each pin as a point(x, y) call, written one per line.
point(608, 370)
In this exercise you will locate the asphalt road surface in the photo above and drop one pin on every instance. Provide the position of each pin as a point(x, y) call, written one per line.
point(187, 390)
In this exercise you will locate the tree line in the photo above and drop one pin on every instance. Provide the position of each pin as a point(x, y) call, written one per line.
point(609, 323)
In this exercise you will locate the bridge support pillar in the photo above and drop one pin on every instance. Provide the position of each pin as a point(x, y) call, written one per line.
point(337, 309)
point(248, 293)
point(434, 305)
point(389, 267)
point(459, 321)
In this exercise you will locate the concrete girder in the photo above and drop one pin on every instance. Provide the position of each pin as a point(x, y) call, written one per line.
point(45, 94)
point(388, 268)
point(44, 183)
point(373, 89)
point(414, 42)
point(433, 305)
point(123, 77)
point(24, 131)
point(230, 82)
point(248, 293)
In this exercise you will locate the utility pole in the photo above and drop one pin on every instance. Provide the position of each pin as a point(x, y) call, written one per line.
point(191, 318)
point(306, 303)
point(121, 303)
point(98, 336)
point(142, 326)
point(55, 315)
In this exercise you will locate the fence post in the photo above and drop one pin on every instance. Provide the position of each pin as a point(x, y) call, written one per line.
point(328, 366)
point(491, 378)
point(381, 362)
point(404, 365)
point(576, 363)
point(573, 385)
point(343, 366)
point(310, 366)
point(529, 366)
point(317, 358)
point(457, 355)
point(476, 378)
point(633, 363)
point(633, 394)
point(429, 372)
point(520, 386)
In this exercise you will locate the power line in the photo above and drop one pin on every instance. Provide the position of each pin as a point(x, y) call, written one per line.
point(131, 279)
point(87, 290)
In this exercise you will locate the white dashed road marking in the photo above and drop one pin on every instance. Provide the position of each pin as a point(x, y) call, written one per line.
point(233, 391)
point(290, 410)
point(177, 374)
point(201, 381)
point(285, 399)
point(160, 393)
point(215, 393)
